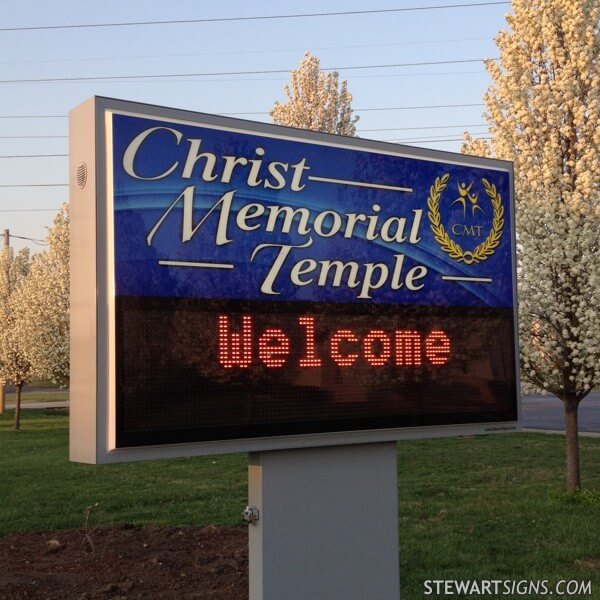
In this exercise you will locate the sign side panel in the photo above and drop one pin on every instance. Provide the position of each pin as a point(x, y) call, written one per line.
point(104, 287)
point(513, 229)
point(82, 192)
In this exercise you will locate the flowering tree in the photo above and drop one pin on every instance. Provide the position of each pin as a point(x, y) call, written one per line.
point(544, 114)
point(42, 305)
point(316, 101)
point(15, 367)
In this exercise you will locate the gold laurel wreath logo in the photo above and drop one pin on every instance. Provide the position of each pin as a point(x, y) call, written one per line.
point(447, 244)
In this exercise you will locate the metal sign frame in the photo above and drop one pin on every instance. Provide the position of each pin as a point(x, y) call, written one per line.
point(92, 438)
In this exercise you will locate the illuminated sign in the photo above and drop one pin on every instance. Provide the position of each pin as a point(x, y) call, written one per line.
point(264, 281)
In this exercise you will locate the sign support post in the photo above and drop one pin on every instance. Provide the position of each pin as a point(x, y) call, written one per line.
point(327, 524)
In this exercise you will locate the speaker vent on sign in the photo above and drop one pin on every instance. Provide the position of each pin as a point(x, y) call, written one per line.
point(81, 175)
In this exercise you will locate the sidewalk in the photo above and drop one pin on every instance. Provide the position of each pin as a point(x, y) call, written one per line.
point(48, 394)
point(25, 405)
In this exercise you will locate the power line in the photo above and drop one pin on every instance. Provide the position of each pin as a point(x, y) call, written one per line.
point(35, 241)
point(399, 140)
point(217, 73)
point(266, 112)
point(28, 137)
point(28, 185)
point(9, 156)
point(384, 129)
point(436, 42)
point(31, 137)
point(419, 107)
point(354, 77)
point(435, 138)
point(13, 210)
point(65, 155)
point(230, 114)
point(244, 79)
point(426, 127)
point(33, 116)
point(421, 140)
point(252, 18)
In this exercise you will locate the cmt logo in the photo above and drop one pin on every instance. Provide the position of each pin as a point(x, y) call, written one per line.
point(466, 199)
point(467, 230)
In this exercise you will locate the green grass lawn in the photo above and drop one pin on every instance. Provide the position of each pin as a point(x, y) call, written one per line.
point(470, 508)
point(41, 489)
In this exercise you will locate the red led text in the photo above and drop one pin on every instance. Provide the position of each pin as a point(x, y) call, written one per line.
point(240, 346)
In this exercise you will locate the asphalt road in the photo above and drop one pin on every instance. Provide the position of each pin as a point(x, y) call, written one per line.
point(547, 412)
point(34, 390)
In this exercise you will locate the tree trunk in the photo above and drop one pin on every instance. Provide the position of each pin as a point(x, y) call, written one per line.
point(2, 398)
point(572, 435)
point(18, 389)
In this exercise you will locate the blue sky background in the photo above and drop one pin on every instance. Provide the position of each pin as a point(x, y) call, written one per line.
point(403, 37)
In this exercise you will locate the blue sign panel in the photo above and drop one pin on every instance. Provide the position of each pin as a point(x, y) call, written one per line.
point(201, 212)
point(269, 282)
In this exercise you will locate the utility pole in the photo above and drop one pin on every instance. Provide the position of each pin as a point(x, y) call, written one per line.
point(2, 394)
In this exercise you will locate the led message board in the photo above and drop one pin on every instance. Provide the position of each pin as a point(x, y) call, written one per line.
point(260, 282)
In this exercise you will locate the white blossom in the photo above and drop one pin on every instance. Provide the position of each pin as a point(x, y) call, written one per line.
point(15, 366)
point(543, 109)
point(544, 114)
point(316, 101)
point(15, 369)
point(42, 305)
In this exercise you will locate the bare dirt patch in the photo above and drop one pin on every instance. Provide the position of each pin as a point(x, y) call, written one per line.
point(588, 563)
point(126, 562)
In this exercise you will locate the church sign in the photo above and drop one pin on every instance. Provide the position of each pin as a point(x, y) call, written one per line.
point(260, 287)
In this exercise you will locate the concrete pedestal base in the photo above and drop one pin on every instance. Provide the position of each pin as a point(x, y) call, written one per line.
point(328, 523)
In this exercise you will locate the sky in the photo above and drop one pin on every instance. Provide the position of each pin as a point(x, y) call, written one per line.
point(461, 33)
